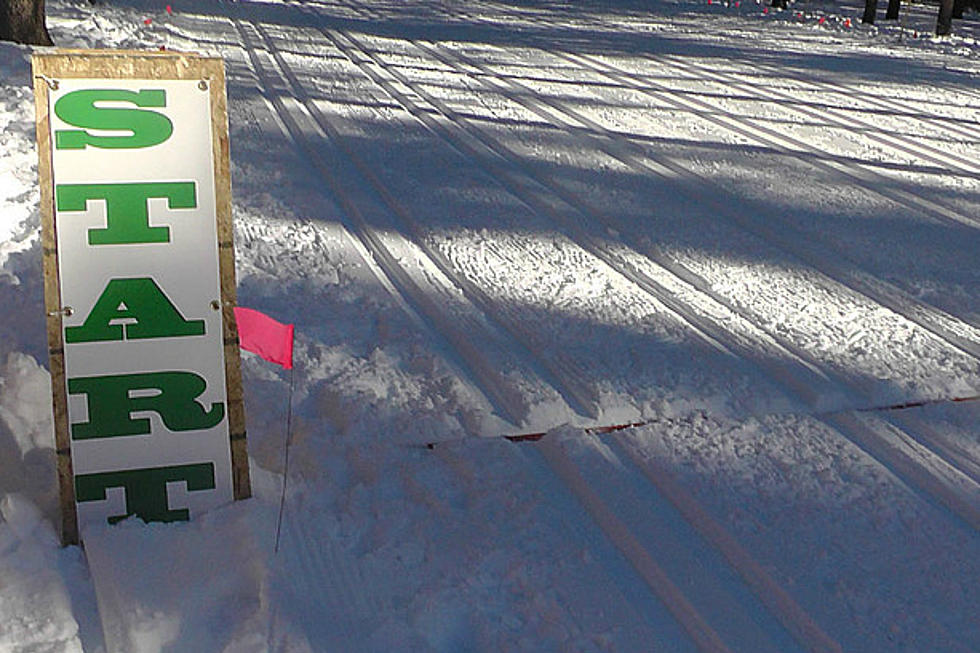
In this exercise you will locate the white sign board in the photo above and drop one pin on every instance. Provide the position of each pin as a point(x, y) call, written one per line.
point(136, 181)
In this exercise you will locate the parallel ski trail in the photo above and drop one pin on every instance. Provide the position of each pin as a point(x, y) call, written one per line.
point(627, 542)
point(610, 514)
point(860, 174)
point(846, 117)
point(503, 394)
point(329, 585)
point(548, 199)
point(954, 455)
point(715, 593)
point(756, 219)
point(639, 556)
point(705, 637)
point(953, 329)
point(840, 117)
point(704, 28)
point(953, 482)
point(558, 371)
point(793, 617)
point(564, 375)
point(655, 608)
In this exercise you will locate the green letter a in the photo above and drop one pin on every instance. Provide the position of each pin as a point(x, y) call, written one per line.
point(133, 299)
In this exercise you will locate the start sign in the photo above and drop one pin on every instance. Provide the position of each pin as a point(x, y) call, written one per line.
point(139, 285)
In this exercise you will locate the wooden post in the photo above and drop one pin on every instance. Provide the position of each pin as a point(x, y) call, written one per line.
point(53, 311)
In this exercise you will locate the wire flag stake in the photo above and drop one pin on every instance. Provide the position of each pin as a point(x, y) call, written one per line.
point(285, 462)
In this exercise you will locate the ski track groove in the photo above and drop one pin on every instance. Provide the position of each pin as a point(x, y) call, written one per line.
point(948, 327)
point(703, 635)
point(468, 477)
point(793, 617)
point(945, 126)
point(776, 600)
point(953, 482)
point(955, 330)
point(561, 373)
point(498, 391)
point(866, 438)
point(783, 607)
point(862, 175)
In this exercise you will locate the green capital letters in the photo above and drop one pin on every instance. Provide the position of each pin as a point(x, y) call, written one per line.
point(113, 398)
point(126, 208)
point(79, 108)
point(137, 299)
point(146, 489)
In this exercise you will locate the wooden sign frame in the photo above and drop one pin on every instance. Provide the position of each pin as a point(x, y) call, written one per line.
point(48, 69)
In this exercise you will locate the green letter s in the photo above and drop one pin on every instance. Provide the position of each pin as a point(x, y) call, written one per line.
point(79, 108)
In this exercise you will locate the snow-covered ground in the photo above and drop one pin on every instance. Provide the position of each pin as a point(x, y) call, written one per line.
point(734, 226)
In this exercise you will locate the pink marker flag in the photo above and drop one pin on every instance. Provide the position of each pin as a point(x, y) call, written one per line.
point(260, 334)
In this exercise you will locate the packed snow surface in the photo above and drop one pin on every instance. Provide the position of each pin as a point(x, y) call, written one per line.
point(745, 232)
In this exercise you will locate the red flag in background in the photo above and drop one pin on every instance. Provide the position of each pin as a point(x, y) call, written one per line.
point(260, 334)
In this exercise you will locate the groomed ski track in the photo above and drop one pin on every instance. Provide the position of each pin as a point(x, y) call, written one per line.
point(952, 479)
point(704, 637)
point(708, 583)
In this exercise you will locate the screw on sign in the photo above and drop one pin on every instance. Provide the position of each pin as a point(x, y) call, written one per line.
point(139, 257)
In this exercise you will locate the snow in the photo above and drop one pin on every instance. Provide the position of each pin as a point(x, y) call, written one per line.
point(735, 226)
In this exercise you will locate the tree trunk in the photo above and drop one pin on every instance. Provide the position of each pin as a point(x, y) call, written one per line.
point(893, 7)
point(944, 24)
point(22, 21)
point(870, 7)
